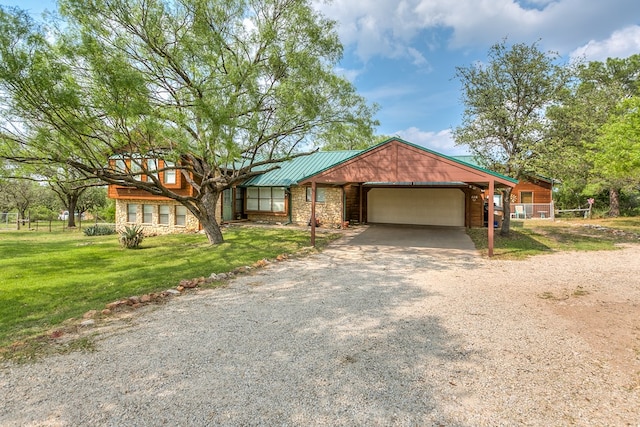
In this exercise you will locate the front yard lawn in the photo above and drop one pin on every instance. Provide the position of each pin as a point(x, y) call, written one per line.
point(47, 278)
point(534, 237)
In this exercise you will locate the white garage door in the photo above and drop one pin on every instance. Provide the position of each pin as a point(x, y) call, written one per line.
point(422, 206)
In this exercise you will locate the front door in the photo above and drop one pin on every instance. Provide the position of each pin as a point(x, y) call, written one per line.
point(227, 205)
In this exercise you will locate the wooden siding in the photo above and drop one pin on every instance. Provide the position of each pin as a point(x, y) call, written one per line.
point(542, 191)
point(121, 192)
point(400, 162)
point(352, 203)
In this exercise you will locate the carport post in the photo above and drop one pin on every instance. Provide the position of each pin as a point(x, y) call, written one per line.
point(490, 218)
point(313, 213)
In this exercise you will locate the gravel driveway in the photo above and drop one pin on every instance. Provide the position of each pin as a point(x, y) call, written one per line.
point(363, 334)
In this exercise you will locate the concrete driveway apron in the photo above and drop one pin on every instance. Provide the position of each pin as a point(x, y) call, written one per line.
point(406, 247)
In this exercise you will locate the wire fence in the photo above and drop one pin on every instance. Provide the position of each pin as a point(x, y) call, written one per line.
point(12, 221)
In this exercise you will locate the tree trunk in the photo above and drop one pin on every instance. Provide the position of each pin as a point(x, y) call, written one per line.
point(207, 215)
point(72, 202)
point(506, 212)
point(614, 202)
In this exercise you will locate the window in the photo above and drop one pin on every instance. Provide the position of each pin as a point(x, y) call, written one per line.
point(181, 215)
point(169, 175)
point(136, 169)
point(132, 211)
point(265, 199)
point(152, 168)
point(121, 166)
point(320, 194)
point(147, 214)
point(497, 200)
point(163, 217)
point(526, 197)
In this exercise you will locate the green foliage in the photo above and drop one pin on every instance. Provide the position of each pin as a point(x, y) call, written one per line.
point(592, 145)
point(42, 213)
point(131, 237)
point(204, 84)
point(99, 230)
point(616, 152)
point(107, 213)
point(505, 101)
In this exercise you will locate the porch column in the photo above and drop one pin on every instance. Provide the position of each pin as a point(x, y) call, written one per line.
point(360, 200)
point(313, 213)
point(490, 220)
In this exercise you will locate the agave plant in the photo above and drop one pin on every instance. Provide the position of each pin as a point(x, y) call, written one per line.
point(99, 230)
point(131, 237)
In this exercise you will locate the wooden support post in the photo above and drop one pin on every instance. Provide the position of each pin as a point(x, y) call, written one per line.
point(490, 220)
point(313, 213)
point(360, 200)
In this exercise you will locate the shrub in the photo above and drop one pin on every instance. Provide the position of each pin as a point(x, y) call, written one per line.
point(131, 237)
point(99, 230)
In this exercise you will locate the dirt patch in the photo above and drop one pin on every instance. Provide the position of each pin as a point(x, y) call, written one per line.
point(611, 327)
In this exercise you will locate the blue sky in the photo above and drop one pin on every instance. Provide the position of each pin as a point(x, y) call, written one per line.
point(402, 54)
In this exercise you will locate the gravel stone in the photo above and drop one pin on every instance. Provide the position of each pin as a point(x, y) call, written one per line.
point(354, 335)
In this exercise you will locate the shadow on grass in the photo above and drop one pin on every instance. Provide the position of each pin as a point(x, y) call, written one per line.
point(518, 244)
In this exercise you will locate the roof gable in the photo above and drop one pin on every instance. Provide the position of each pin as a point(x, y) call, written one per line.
point(396, 160)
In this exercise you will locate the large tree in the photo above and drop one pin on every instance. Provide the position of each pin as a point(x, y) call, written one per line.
point(72, 187)
point(615, 155)
point(220, 88)
point(575, 138)
point(505, 99)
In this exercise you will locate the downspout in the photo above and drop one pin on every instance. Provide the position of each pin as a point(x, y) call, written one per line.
point(287, 193)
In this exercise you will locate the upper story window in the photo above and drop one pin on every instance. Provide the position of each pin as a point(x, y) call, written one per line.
point(136, 169)
point(169, 174)
point(266, 199)
point(121, 165)
point(152, 168)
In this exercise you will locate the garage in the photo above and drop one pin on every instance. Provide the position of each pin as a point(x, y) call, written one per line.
point(419, 206)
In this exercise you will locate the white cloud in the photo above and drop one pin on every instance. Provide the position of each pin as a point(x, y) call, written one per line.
point(402, 28)
point(349, 74)
point(441, 141)
point(621, 44)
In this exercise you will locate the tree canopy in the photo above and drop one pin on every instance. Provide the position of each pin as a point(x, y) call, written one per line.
point(590, 139)
point(219, 88)
point(505, 100)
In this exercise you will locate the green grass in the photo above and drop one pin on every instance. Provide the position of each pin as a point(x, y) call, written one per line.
point(47, 278)
point(529, 238)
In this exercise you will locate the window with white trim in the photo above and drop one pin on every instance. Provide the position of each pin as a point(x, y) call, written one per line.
point(132, 212)
point(181, 215)
point(266, 199)
point(163, 214)
point(169, 174)
point(147, 214)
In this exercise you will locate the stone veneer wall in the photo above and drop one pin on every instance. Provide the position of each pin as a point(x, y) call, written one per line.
point(330, 212)
point(192, 224)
